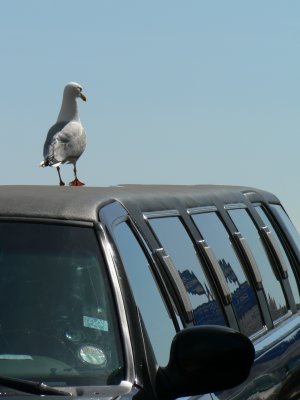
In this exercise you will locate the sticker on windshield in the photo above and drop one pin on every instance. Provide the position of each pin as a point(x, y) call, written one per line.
point(95, 323)
point(93, 355)
point(15, 357)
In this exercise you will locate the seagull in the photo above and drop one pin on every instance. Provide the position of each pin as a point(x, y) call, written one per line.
point(66, 139)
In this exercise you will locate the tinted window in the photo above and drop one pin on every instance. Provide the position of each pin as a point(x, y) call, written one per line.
point(292, 278)
point(272, 287)
point(58, 322)
point(177, 243)
point(243, 296)
point(159, 326)
point(287, 222)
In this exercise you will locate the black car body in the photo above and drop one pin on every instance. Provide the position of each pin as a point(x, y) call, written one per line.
point(151, 292)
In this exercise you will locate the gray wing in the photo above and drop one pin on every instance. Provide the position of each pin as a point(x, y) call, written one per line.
point(65, 142)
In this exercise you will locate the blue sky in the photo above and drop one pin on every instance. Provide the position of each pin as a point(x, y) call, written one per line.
point(178, 91)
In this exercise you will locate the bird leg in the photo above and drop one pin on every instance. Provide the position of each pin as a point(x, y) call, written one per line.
point(76, 181)
point(61, 182)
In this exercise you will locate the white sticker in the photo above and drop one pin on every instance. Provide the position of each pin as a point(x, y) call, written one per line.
point(95, 323)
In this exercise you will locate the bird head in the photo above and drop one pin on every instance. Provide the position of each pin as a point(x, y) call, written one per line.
point(75, 90)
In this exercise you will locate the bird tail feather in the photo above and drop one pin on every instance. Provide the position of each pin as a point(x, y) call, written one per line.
point(56, 164)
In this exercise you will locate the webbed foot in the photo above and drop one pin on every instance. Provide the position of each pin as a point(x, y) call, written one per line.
point(76, 182)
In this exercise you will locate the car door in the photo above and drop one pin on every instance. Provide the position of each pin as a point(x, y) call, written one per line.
point(156, 305)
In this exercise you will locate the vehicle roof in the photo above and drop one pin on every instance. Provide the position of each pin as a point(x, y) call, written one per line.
point(83, 203)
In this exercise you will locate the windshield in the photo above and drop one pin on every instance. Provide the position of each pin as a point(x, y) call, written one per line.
point(57, 317)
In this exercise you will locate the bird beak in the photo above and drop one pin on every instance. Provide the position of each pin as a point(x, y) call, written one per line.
point(82, 96)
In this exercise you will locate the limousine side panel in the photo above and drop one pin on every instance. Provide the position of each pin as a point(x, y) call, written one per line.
point(277, 349)
point(186, 357)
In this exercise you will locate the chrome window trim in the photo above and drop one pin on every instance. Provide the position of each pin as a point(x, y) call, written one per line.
point(250, 193)
point(127, 350)
point(160, 214)
point(183, 299)
point(198, 210)
point(208, 252)
point(259, 333)
point(265, 342)
point(269, 236)
point(258, 204)
point(48, 221)
point(245, 248)
point(233, 206)
point(283, 318)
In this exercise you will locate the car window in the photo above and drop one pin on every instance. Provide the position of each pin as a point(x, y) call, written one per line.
point(147, 295)
point(292, 279)
point(177, 243)
point(58, 322)
point(287, 222)
point(243, 296)
point(272, 287)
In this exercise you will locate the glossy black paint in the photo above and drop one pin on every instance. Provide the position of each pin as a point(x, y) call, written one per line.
point(199, 355)
point(275, 372)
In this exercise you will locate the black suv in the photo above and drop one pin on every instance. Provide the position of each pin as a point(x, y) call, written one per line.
point(148, 292)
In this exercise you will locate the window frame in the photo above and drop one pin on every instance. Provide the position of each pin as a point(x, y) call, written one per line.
point(123, 387)
point(285, 237)
point(155, 272)
point(285, 280)
point(245, 263)
point(258, 223)
point(111, 215)
point(202, 262)
point(205, 262)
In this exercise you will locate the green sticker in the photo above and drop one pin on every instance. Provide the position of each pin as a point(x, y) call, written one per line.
point(95, 323)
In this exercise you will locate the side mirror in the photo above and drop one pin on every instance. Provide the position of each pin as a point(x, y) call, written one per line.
point(205, 359)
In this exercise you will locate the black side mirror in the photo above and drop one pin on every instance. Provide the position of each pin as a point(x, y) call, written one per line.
point(205, 359)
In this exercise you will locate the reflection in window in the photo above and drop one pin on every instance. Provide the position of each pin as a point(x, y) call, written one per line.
point(243, 296)
point(292, 278)
point(159, 325)
point(272, 287)
point(177, 243)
